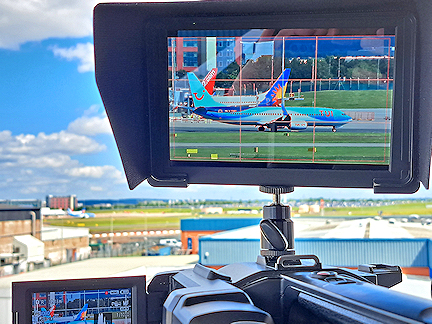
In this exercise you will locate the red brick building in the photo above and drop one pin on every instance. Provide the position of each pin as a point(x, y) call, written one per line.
point(62, 202)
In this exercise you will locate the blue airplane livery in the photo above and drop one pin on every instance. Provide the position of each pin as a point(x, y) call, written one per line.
point(75, 319)
point(80, 213)
point(271, 113)
point(48, 313)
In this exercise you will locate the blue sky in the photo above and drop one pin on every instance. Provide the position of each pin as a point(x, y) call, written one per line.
point(54, 135)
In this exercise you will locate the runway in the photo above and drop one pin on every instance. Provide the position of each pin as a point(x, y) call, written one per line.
point(358, 228)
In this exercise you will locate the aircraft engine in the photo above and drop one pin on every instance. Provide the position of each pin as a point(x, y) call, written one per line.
point(298, 125)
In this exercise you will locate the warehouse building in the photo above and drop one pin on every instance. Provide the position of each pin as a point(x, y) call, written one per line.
point(18, 220)
point(414, 255)
point(193, 228)
point(26, 244)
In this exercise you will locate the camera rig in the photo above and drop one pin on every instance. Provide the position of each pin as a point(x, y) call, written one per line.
point(282, 287)
point(134, 47)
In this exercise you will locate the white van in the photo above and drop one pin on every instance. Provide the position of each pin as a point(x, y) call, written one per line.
point(171, 242)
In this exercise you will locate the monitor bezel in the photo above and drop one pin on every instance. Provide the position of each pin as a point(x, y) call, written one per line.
point(400, 176)
point(22, 294)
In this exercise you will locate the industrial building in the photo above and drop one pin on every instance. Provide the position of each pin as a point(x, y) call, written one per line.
point(244, 246)
point(18, 220)
point(64, 244)
point(337, 242)
point(193, 228)
point(25, 244)
point(22, 202)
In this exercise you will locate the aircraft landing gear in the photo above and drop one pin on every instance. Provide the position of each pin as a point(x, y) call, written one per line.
point(261, 129)
point(334, 129)
point(273, 127)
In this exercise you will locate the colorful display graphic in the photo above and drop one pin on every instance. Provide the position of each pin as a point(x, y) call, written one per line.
point(285, 98)
point(102, 306)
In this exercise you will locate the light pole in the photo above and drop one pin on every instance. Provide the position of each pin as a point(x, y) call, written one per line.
point(111, 240)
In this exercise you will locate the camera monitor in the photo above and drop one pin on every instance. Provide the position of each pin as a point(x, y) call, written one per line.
point(281, 99)
point(299, 94)
point(99, 300)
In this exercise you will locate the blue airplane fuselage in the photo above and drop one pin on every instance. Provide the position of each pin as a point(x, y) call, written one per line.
point(290, 117)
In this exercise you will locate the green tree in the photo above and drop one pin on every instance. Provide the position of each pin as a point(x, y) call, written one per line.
point(231, 72)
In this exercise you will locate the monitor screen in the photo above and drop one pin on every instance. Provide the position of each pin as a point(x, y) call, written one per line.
point(115, 300)
point(92, 305)
point(281, 96)
point(293, 94)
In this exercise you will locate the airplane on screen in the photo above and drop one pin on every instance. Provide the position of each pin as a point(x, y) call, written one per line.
point(49, 313)
point(80, 214)
point(267, 98)
point(270, 113)
point(275, 118)
point(208, 83)
point(74, 319)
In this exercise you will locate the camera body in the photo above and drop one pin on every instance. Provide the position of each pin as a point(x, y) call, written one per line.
point(298, 290)
point(282, 287)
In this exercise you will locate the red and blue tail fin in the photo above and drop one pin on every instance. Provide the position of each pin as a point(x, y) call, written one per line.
point(82, 314)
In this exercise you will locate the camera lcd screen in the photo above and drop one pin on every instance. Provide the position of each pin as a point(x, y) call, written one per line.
point(111, 306)
point(283, 96)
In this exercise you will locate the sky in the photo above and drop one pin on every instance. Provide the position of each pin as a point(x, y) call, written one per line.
point(55, 137)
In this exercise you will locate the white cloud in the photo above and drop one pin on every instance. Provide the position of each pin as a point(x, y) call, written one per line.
point(106, 171)
point(92, 123)
point(53, 161)
point(94, 110)
point(90, 126)
point(36, 165)
point(63, 142)
point(84, 53)
point(35, 20)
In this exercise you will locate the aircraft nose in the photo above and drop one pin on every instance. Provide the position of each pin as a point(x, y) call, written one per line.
point(347, 118)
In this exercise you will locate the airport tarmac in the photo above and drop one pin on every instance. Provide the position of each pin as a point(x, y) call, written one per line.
point(336, 227)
